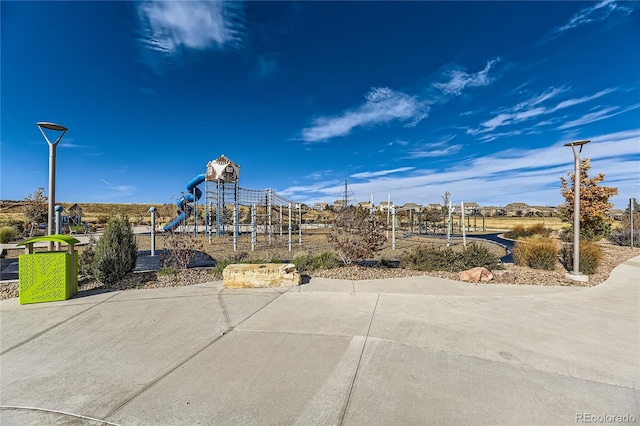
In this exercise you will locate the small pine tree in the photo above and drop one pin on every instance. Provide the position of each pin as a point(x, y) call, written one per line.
point(116, 252)
point(595, 222)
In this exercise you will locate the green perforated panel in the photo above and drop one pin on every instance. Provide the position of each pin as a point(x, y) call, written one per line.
point(45, 277)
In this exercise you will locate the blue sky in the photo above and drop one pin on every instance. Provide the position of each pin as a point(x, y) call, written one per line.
point(409, 99)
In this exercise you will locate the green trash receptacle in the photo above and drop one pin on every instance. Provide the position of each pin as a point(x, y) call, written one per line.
point(48, 276)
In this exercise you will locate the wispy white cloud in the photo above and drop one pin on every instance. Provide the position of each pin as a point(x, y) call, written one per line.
point(458, 79)
point(116, 191)
point(382, 106)
point(432, 152)
point(170, 26)
point(74, 145)
point(597, 116)
point(532, 108)
point(577, 101)
point(433, 149)
point(608, 11)
point(364, 175)
point(530, 176)
point(319, 174)
point(493, 136)
point(598, 12)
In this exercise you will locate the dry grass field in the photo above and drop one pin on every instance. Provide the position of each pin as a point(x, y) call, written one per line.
point(97, 213)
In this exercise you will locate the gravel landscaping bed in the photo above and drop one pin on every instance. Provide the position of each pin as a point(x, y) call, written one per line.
point(612, 256)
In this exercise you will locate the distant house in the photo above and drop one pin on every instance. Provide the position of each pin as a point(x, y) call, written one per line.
point(320, 206)
point(493, 211)
point(616, 214)
point(365, 205)
point(544, 211)
point(434, 206)
point(338, 204)
point(385, 206)
point(471, 208)
point(517, 209)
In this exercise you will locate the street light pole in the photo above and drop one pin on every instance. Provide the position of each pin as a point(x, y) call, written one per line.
point(52, 169)
point(575, 274)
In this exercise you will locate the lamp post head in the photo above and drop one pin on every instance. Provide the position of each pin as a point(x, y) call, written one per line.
point(51, 126)
point(578, 143)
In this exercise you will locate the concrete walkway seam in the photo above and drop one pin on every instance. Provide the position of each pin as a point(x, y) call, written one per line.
point(187, 359)
point(64, 413)
point(355, 376)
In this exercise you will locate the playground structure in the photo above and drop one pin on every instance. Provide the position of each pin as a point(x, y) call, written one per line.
point(229, 210)
point(232, 210)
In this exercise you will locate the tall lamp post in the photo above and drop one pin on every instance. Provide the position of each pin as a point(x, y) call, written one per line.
point(52, 169)
point(575, 274)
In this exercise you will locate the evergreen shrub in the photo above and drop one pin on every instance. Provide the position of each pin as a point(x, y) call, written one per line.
point(116, 251)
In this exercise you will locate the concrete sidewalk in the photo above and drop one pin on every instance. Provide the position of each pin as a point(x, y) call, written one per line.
point(384, 352)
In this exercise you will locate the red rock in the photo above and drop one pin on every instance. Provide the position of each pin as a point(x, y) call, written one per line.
point(476, 275)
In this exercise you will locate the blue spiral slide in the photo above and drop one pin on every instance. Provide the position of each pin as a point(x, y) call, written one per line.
point(194, 193)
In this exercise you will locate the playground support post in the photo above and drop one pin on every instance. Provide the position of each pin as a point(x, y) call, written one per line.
point(235, 227)
point(299, 224)
point(253, 227)
point(464, 235)
point(388, 211)
point(58, 210)
point(269, 214)
point(236, 219)
point(152, 210)
point(393, 227)
point(631, 203)
point(52, 169)
point(195, 213)
point(290, 240)
point(449, 225)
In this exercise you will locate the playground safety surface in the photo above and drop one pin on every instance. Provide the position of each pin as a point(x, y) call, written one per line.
point(418, 350)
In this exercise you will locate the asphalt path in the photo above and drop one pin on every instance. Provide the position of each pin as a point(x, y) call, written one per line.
point(494, 238)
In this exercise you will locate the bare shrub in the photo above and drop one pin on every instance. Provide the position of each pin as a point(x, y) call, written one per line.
point(356, 235)
point(183, 249)
point(35, 207)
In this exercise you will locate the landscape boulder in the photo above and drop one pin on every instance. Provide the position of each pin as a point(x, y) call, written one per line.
point(259, 275)
point(476, 275)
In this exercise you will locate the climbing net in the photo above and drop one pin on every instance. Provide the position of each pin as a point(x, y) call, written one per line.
point(263, 214)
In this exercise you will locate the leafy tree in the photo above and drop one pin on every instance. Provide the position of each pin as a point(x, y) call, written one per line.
point(356, 235)
point(35, 207)
point(595, 222)
point(116, 252)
